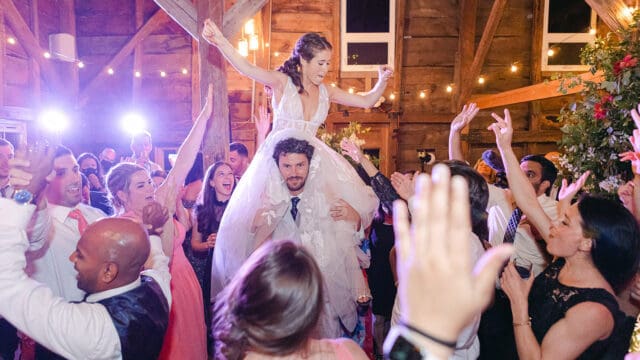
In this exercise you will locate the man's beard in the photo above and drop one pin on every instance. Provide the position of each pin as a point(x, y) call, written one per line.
point(297, 188)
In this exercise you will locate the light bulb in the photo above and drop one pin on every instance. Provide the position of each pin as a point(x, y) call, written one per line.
point(481, 80)
point(514, 68)
point(243, 47)
point(163, 74)
point(254, 42)
point(137, 74)
point(80, 64)
point(250, 27)
point(185, 71)
point(449, 88)
point(592, 31)
point(392, 96)
point(11, 41)
point(110, 71)
point(423, 94)
point(550, 52)
point(351, 90)
point(47, 55)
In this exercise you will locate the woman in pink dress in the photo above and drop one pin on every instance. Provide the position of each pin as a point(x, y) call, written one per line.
point(131, 189)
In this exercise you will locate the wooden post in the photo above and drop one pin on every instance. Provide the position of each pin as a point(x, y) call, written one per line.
point(69, 69)
point(137, 53)
point(3, 36)
point(612, 13)
point(213, 70)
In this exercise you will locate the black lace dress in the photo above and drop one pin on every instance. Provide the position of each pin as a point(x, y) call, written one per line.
point(379, 275)
point(549, 301)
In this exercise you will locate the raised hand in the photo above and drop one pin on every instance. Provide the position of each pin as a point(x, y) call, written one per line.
point(263, 122)
point(352, 150)
point(464, 117)
point(385, 72)
point(31, 166)
point(502, 128)
point(433, 258)
point(568, 191)
point(403, 184)
point(207, 109)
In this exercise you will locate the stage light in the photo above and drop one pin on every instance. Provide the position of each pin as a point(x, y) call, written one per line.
point(133, 123)
point(53, 120)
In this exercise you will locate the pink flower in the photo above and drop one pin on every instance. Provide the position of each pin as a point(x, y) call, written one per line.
point(627, 62)
point(599, 112)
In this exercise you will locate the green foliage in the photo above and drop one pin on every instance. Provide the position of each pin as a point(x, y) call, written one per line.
point(597, 128)
point(351, 132)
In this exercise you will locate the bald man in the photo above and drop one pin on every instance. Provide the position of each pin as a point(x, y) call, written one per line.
point(126, 311)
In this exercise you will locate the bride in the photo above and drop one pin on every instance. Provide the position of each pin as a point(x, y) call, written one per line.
point(300, 103)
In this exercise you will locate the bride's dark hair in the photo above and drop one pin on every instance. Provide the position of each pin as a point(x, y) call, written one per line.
point(306, 48)
point(271, 306)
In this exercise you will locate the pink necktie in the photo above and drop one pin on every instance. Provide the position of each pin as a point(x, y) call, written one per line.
point(82, 222)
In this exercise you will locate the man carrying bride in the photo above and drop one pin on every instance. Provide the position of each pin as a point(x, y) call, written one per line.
point(300, 105)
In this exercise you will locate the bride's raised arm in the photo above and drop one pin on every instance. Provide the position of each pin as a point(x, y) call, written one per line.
point(366, 100)
point(214, 36)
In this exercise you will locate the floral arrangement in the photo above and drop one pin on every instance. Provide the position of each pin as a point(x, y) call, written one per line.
point(351, 132)
point(597, 128)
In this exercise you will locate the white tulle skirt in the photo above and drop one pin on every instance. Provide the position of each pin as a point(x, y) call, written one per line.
point(333, 244)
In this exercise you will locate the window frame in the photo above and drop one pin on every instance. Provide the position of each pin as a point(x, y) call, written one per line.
point(384, 37)
point(550, 38)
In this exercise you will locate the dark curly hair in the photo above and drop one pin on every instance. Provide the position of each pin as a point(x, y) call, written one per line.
point(271, 306)
point(306, 48)
point(292, 146)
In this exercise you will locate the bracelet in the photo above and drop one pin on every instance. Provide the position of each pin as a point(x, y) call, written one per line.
point(526, 323)
point(449, 344)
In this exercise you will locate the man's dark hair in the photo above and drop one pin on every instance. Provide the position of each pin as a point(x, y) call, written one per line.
point(549, 171)
point(239, 148)
point(62, 150)
point(292, 146)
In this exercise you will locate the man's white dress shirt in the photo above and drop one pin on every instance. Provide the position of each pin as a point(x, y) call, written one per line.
point(72, 330)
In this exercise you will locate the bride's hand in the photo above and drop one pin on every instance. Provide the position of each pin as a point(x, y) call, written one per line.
point(212, 33)
point(384, 72)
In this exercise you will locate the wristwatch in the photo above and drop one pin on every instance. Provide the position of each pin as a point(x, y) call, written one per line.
point(22, 197)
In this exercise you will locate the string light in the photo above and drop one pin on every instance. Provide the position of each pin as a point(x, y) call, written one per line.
point(392, 96)
point(481, 80)
point(11, 40)
point(514, 68)
point(110, 71)
point(351, 90)
point(266, 45)
point(628, 11)
point(449, 88)
point(422, 94)
point(333, 84)
point(47, 55)
point(80, 64)
point(550, 52)
point(185, 71)
point(276, 54)
point(592, 31)
point(137, 74)
point(163, 74)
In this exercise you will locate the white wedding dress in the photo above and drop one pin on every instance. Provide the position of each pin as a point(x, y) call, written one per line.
point(262, 197)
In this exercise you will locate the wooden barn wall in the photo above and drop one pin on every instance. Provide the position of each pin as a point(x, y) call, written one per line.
point(103, 28)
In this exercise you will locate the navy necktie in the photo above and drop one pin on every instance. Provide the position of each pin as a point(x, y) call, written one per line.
point(512, 226)
point(294, 206)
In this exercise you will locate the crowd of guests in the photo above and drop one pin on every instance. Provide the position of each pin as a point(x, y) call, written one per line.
point(106, 260)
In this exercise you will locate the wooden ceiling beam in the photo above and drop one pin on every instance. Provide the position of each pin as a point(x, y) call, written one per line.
point(159, 18)
point(483, 48)
point(185, 14)
point(31, 44)
point(539, 91)
point(466, 47)
point(399, 58)
point(612, 13)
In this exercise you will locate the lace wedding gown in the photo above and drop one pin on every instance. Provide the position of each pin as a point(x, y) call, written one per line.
point(262, 197)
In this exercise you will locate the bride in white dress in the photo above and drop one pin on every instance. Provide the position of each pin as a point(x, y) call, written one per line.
point(300, 104)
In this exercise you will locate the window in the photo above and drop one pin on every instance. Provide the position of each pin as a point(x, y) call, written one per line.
point(568, 28)
point(367, 29)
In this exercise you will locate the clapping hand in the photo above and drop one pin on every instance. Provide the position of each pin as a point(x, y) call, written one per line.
point(154, 216)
